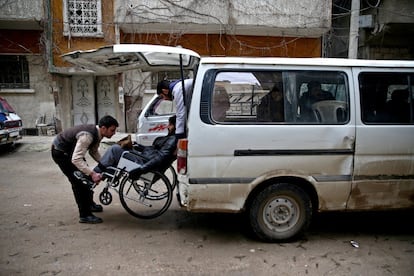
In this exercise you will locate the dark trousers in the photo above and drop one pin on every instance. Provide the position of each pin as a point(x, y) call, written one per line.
point(83, 195)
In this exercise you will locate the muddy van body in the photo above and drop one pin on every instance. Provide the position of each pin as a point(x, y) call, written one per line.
point(346, 149)
point(284, 138)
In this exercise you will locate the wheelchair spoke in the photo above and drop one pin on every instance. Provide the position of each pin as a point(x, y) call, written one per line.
point(147, 197)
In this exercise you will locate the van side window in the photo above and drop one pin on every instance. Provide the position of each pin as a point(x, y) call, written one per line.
point(273, 97)
point(386, 98)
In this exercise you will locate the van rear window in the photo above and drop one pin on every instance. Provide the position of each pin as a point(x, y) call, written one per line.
point(275, 97)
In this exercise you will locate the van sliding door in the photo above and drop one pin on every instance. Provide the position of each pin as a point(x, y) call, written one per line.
point(384, 154)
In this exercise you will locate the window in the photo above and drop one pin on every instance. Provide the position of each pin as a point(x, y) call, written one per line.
point(386, 97)
point(82, 18)
point(271, 97)
point(14, 72)
point(162, 107)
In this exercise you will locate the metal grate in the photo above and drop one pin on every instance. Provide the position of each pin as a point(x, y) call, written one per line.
point(83, 18)
point(14, 72)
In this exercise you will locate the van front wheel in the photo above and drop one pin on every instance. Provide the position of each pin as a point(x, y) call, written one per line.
point(280, 212)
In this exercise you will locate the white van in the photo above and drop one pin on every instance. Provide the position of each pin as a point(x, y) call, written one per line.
point(336, 134)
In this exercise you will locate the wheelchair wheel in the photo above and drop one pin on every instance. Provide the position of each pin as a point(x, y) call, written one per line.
point(148, 197)
point(105, 197)
point(172, 176)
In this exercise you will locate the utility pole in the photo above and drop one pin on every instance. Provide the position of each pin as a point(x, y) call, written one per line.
point(354, 30)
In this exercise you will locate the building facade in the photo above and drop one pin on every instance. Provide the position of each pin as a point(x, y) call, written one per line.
point(385, 29)
point(24, 78)
point(215, 28)
point(34, 34)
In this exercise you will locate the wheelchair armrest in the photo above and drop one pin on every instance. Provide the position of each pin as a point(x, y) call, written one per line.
point(138, 147)
point(136, 153)
point(130, 160)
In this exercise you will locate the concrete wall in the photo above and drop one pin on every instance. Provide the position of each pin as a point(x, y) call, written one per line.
point(389, 53)
point(21, 9)
point(63, 100)
point(21, 25)
point(21, 14)
point(255, 17)
point(396, 11)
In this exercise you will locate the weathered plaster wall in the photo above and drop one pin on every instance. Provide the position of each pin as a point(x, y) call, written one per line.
point(255, 17)
point(21, 10)
point(39, 102)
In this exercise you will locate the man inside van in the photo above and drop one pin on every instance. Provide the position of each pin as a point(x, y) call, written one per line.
point(173, 91)
point(314, 94)
point(271, 107)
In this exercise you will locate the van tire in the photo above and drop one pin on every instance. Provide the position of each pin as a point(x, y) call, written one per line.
point(280, 212)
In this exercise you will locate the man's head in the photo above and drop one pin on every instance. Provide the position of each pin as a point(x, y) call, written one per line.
point(314, 88)
point(277, 94)
point(171, 125)
point(163, 90)
point(107, 126)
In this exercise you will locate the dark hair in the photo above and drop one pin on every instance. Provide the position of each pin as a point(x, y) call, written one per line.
point(313, 84)
point(164, 84)
point(108, 121)
point(275, 88)
point(172, 120)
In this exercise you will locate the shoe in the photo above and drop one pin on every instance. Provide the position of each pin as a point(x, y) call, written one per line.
point(96, 208)
point(90, 219)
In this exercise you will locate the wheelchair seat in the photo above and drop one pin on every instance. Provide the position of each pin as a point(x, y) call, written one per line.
point(129, 161)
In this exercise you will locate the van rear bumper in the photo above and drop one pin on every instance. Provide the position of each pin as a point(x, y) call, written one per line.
point(213, 197)
point(182, 191)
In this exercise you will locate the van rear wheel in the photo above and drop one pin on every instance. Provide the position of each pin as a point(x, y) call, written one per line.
point(280, 212)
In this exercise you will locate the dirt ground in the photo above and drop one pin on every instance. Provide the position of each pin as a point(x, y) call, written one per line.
point(40, 235)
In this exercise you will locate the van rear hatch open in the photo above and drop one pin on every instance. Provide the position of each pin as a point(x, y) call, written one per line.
point(118, 58)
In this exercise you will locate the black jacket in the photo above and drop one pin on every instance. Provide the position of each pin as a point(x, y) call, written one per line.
point(160, 155)
point(66, 140)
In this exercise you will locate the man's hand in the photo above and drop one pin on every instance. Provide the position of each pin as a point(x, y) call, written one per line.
point(96, 177)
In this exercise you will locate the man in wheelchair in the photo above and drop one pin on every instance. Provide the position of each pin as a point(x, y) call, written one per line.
point(159, 156)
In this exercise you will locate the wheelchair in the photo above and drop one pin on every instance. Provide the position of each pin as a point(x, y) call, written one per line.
point(147, 197)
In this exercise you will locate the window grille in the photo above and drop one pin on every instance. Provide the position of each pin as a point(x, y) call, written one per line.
point(82, 18)
point(14, 72)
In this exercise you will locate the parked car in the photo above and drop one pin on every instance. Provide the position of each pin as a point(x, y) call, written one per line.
point(10, 124)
